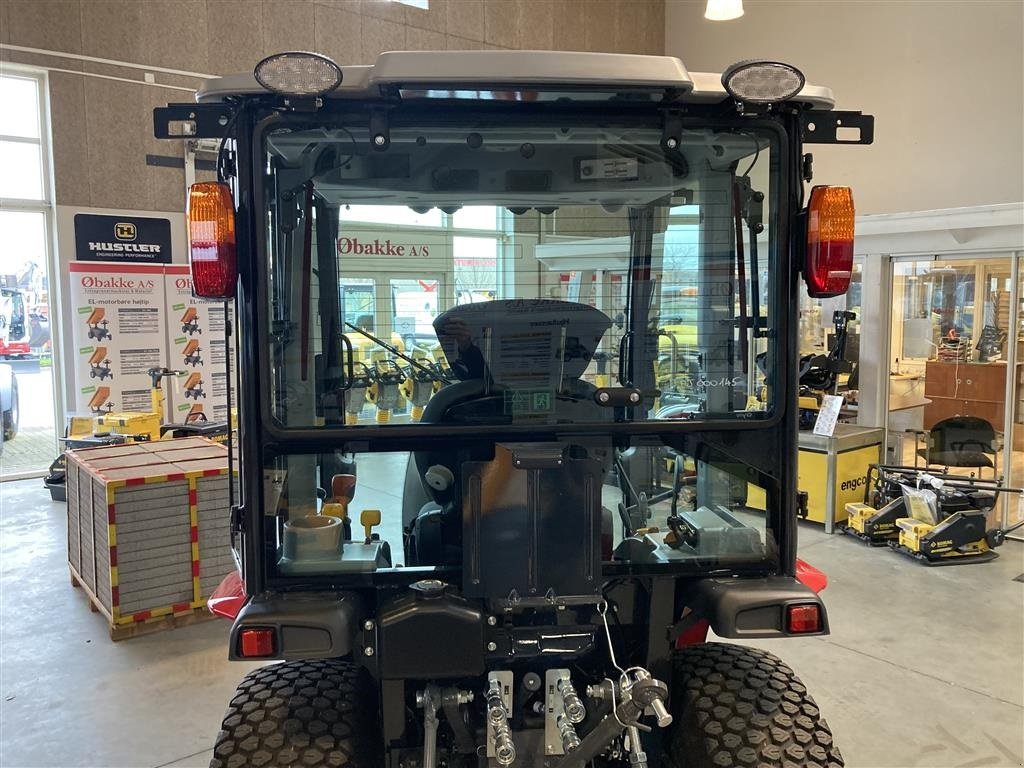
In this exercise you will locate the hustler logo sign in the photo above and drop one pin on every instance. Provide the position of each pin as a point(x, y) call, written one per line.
point(120, 238)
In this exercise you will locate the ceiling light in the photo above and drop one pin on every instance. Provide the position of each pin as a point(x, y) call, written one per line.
point(723, 10)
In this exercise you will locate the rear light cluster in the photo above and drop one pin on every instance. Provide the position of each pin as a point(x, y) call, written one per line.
point(211, 240)
point(830, 224)
point(257, 643)
point(803, 618)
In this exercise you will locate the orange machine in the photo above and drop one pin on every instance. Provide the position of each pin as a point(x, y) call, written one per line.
point(195, 413)
point(194, 386)
point(97, 322)
point(99, 400)
point(190, 321)
point(191, 353)
point(99, 365)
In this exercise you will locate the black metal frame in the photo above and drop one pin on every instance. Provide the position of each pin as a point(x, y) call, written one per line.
point(822, 127)
point(774, 437)
point(750, 441)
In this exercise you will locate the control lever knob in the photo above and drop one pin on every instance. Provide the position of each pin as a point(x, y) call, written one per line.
point(661, 714)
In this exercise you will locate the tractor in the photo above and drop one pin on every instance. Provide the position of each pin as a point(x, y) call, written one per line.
point(489, 581)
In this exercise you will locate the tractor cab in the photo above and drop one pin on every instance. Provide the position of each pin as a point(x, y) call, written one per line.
point(517, 394)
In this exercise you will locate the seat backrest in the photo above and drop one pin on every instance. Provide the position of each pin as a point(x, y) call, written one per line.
point(481, 342)
point(541, 343)
point(963, 433)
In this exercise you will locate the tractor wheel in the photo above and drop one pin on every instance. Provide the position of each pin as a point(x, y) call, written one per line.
point(736, 706)
point(320, 712)
point(10, 416)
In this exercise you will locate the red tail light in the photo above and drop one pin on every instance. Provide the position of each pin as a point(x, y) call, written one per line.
point(830, 223)
point(256, 643)
point(803, 619)
point(211, 240)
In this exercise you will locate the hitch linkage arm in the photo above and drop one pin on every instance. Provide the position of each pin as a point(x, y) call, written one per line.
point(631, 703)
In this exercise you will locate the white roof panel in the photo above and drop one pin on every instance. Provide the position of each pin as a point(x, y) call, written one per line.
point(550, 68)
point(451, 70)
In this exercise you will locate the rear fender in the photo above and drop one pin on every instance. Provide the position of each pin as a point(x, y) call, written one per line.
point(306, 625)
point(810, 576)
point(229, 597)
point(745, 609)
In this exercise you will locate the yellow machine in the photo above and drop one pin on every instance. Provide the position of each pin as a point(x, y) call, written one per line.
point(363, 349)
point(132, 424)
point(938, 519)
point(418, 386)
point(150, 425)
point(385, 389)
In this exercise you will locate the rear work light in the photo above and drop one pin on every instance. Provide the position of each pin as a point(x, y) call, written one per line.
point(762, 82)
point(830, 223)
point(211, 240)
point(298, 73)
point(803, 619)
point(256, 643)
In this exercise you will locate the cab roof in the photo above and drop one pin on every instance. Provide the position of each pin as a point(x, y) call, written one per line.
point(493, 74)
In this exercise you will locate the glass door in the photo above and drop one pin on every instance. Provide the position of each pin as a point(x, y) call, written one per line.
point(952, 324)
point(28, 422)
point(1013, 512)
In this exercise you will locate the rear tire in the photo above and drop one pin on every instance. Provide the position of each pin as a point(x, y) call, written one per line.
point(736, 706)
point(301, 713)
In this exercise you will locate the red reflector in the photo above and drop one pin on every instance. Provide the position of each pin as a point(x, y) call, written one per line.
point(830, 225)
point(801, 619)
point(256, 643)
point(211, 240)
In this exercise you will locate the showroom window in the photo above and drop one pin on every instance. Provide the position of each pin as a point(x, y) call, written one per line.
point(472, 234)
point(21, 140)
point(25, 237)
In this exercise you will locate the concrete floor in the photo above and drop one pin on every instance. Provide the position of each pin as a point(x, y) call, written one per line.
point(924, 667)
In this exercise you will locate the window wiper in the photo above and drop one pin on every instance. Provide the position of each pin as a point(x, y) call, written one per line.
point(741, 270)
point(748, 205)
point(394, 351)
point(307, 266)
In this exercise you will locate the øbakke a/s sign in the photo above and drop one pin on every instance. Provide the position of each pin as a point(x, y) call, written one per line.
point(134, 239)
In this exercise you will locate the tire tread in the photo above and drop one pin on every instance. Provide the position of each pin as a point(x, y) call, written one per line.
point(738, 706)
point(301, 713)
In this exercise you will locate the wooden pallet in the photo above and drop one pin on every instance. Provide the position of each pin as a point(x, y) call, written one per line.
point(139, 628)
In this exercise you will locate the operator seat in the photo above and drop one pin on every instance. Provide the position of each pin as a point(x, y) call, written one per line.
point(501, 351)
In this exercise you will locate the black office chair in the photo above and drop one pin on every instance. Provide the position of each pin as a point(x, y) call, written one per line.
point(960, 441)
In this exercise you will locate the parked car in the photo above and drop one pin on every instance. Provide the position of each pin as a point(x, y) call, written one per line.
point(8, 402)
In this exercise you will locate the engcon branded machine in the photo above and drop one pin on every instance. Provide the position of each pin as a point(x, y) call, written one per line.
point(501, 614)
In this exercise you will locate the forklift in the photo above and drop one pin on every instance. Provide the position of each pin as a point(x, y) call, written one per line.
point(492, 608)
